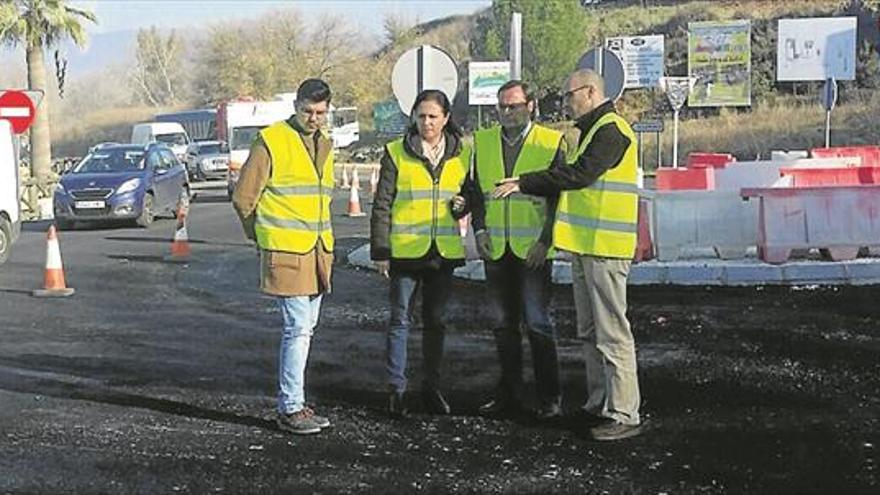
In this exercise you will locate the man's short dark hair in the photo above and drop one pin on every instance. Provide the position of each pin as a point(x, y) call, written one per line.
point(313, 91)
point(516, 83)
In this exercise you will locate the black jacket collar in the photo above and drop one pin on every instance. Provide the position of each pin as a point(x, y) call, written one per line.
point(586, 121)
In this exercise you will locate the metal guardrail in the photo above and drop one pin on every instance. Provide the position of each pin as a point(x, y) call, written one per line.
point(31, 192)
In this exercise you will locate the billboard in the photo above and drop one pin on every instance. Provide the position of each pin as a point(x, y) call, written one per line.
point(484, 80)
point(816, 49)
point(388, 120)
point(720, 59)
point(642, 57)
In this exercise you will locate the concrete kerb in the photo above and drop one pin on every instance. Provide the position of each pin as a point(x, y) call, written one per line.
point(708, 272)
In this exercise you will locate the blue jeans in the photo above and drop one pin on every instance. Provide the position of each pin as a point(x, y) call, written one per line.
point(300, 314)
point(436, 285)
point(521, 297)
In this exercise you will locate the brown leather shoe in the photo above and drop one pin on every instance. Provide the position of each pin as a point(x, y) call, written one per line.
point(298, 423)
point(614, 430)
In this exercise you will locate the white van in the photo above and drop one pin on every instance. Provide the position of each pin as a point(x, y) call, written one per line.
point(171, 133)
point(10, 220)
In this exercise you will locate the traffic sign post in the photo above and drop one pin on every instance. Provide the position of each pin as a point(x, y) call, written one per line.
point(829, 100)
point(677, 90)
point(515, 48)
point(608, 65)
point(655, 126)
point(420, 68)
point(19, 109)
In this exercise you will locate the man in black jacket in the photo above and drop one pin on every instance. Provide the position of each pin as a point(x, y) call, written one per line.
point(596, 221)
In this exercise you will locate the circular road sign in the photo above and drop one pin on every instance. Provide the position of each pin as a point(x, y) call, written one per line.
point(18, 109)
point(420, 68)
point(609, 66)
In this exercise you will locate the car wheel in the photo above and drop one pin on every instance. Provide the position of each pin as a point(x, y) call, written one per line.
point(64, 224)
point(147, 214)
point(5, 240)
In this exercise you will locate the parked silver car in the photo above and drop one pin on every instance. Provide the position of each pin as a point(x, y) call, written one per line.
point(207, 160)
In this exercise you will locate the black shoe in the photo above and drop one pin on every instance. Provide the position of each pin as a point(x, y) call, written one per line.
point(500, 407)
point(396, 406)
point(434, 401)
point(549, 411)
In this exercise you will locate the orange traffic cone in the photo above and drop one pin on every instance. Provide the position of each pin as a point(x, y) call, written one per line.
point(355, 177)
point(345, 184)
point(374, 181)
point(180, 249)
point(53, 280)
point(354, 199)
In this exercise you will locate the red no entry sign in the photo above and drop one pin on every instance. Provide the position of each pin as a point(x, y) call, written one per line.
point(18, 109)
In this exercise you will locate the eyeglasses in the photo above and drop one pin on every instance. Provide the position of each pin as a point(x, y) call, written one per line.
point(512, 106)
point(570, 92)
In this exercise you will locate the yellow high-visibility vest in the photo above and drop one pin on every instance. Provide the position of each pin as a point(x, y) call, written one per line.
point(517, 220)
point(420, 213)
point(601, 220)
point(294, 209)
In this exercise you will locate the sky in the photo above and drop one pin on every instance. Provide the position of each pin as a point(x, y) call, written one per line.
point(110, 40)
point(119, 15)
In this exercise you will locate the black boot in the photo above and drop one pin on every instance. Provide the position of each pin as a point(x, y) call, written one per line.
point(396, 405)
point(546, 364)
point(507, 398)
point(432, 358)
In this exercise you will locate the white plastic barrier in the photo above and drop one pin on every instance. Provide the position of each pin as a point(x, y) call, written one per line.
point(764, 173)
point(777, 155)
point(839, 219)
point(738, 175)
point(689, 222)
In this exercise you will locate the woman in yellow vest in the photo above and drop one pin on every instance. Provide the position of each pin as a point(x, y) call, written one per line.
point(415, 240)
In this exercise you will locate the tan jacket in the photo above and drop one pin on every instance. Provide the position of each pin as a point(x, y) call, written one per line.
point(282, 273)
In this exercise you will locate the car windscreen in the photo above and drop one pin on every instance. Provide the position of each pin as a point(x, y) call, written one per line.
point(177, 138)
point(209, 149)
point(344, 116)
point(242, 137)
point(109, 161)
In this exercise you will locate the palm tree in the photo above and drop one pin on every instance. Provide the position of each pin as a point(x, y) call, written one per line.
point(39, 24)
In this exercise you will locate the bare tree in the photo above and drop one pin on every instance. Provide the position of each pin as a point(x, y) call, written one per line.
point(399, 29)
point(156, 74)
point(332, 43)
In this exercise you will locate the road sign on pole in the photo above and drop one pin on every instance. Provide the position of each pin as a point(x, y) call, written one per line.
point(515, 49)
point(677, 90)
point(609, 66)
point(645, 126)
point(18, 108)
point(829, 100)
point(424, 67)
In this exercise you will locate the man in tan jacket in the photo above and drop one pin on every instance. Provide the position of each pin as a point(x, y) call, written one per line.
point(283, 200)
